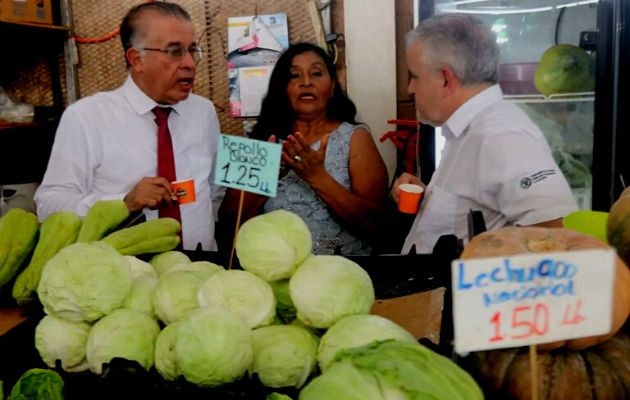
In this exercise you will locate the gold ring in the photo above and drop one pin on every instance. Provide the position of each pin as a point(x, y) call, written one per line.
point(297, 158)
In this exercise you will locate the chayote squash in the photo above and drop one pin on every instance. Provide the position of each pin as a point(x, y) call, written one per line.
point(103, 217)
point(59, 230)
point(18, 237)
point(154, 236)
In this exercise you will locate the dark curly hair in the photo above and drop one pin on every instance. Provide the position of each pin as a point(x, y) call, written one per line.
point(276, 115)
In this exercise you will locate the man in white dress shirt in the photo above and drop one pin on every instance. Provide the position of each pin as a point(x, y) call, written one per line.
point(106, 144)
point(495, 159)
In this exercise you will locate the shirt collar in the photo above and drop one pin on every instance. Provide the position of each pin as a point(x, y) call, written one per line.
point(140, 102)
point(462, 117)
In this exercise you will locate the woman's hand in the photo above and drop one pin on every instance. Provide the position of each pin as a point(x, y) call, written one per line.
point(307, 163)
point(284, 167)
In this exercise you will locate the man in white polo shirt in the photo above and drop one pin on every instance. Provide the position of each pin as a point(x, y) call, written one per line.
point(495, 159)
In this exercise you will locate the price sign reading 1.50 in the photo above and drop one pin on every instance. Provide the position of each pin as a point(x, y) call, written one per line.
point(531, 299)
point(526, 321)
point(247, 164)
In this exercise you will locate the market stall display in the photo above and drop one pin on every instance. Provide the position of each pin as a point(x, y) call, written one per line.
point(111, 340)
point(102, 304)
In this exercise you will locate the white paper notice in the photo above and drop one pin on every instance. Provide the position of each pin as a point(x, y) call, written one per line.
point(253, 84)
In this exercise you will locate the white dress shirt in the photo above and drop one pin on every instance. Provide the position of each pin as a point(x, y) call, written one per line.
point(106, 143)
point(497, 161)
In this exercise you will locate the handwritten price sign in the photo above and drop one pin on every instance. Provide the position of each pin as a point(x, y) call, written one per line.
point(247, 164)
point(530, 299)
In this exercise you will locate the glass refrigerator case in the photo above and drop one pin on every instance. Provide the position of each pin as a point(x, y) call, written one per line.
point(581, 127)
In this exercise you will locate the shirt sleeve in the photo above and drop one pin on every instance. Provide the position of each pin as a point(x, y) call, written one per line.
point(524, 180)
point(68, 177)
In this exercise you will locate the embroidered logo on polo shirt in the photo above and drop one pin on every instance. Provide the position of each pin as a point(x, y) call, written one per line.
point(528, 181)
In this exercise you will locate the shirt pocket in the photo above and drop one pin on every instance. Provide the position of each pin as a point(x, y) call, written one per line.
point(438, 215)
point(200, 170)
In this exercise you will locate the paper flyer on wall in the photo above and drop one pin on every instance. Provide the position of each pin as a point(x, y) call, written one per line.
point(254, 45)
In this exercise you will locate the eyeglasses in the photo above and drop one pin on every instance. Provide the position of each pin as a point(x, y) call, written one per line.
point(177, 53)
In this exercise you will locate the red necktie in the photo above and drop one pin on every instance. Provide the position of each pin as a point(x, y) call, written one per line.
point(166, 159)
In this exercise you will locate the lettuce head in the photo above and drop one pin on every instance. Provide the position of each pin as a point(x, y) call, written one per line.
point(325, 289)
point(58, 339)
point(284, 355)
point(84, 282)
point(356, 331)
point(124, 333)
point(392, 370)
point(241, 292)
point(272, 245)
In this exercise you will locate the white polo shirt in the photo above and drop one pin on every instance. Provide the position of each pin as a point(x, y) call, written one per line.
point(497, 161)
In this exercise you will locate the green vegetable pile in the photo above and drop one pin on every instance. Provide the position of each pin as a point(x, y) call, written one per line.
point(290, 319)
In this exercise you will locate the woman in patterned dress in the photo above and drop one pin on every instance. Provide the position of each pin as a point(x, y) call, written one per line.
point(333, 175)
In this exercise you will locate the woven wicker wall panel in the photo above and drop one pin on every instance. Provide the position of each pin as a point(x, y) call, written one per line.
point(33, 85)
point(102, 65)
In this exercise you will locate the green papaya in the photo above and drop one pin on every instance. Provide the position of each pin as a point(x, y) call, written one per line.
point(59, 230)
point(565, 68)
point(103, 217)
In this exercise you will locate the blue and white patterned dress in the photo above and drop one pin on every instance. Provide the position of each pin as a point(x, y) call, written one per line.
point(296, 195)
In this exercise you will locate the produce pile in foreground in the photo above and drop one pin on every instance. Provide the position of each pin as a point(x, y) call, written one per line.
point(289, 319)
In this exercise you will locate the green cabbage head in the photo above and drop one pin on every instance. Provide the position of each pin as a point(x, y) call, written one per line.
point(140, 297)
point(392, 370)
point(272, 245)
point(284, 355)
point(84, 282)
point(325, 289)
point(241, 292)
point(176, 294)
point(140, 268)
point(38, 384)
point(58, 339)
point(356, 331)
point(165, 352)
point(213, 347)
point(164, 261)
point(124, 333)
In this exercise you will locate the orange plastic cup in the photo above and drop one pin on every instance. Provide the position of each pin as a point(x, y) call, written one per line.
point(409, 198)
point(184, 190)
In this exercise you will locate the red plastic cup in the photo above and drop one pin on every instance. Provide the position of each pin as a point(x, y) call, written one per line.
point(409, 198)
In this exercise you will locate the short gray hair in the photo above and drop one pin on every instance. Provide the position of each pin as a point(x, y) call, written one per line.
point(461, 42)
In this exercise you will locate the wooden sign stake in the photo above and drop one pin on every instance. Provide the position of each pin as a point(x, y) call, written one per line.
point(238, 224)
point(533, 365)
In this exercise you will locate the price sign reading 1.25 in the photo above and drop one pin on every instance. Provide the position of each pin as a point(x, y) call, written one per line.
point(247, 164)
point(531, 299)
